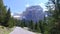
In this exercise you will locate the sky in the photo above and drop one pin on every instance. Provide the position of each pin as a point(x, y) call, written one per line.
point(18, 6)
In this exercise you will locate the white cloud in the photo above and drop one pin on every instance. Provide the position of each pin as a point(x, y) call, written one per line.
point(12, 14)
point(16, 16)
point(27, 5)
point(43, 6)
point(46, 15)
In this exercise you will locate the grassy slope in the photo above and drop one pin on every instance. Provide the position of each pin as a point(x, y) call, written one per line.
point(4, 30)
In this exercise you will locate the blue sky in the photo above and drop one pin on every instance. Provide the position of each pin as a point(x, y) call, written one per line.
point(18, 6)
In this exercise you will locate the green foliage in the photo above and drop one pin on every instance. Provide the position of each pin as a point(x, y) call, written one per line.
point(5, 16)
point(11, 22)
point(31, 24)
point(54, 19)
point(18, 22)
point(37, 27)
point(2, 12)
point(22, 24)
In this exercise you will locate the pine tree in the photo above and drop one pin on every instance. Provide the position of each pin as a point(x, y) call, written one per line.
point(42, 26)
point(54, 24)
point(7, 18)
point(37, 27)
point(12, 22)
point(30, 24)
point(2, 12)
point(22, 23)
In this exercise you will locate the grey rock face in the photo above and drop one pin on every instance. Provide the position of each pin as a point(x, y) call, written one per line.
point(34, 13)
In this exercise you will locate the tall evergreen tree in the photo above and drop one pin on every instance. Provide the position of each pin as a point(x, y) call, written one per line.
point(42, 26)
point(37, 27)
point(55, 20)
point(8, 17)
point(2, 12)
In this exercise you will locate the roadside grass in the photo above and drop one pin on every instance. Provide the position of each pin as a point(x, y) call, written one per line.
point(5, 30)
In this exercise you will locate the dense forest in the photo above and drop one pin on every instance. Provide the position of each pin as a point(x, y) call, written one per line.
point(50, 24)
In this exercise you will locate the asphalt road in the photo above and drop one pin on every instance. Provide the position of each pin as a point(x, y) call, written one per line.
point(19, 30)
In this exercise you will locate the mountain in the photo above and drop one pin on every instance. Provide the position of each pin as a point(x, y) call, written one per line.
point(34, 13)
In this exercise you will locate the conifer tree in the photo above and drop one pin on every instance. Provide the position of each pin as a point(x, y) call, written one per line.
point(55, 27)
point(8, 17)
point(2, 12)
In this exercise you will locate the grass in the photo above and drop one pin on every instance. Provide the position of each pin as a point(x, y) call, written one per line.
point(5, 30)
